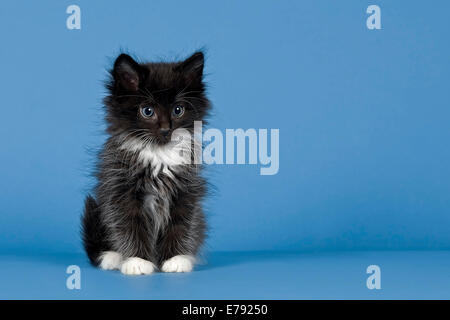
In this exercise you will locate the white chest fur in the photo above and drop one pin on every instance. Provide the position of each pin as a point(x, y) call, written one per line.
point(161, 158)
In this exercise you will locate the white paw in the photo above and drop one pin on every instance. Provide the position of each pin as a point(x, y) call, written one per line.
point(136, 266)
point(110, 260)
point(180, 263)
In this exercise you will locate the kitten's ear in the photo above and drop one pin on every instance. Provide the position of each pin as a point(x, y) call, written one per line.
point(126, 73)
point(192, 67)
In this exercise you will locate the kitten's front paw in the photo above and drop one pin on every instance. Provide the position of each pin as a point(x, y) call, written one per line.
point(110, 260)
point(136, 266)
point(180, 263)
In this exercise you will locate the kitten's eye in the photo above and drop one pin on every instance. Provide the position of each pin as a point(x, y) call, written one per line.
point(178, 111)
point(147, 111)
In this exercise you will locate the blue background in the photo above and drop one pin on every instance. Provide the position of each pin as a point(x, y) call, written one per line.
point(363, 118)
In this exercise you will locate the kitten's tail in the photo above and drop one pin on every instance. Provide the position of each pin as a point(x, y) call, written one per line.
point(93, 231)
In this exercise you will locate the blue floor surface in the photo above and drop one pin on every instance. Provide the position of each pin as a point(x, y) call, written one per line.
point(239, 275)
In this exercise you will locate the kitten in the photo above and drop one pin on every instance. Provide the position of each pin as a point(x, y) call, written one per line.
point(146, 212)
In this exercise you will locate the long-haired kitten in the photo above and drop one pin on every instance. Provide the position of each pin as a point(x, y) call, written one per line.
point(145, 212)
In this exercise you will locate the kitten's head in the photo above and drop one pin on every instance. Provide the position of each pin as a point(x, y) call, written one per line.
point(151, 100)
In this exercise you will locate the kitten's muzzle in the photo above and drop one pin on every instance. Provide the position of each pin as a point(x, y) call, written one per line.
point(164, 132)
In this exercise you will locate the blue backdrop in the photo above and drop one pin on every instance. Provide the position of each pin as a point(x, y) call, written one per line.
point(363, 117)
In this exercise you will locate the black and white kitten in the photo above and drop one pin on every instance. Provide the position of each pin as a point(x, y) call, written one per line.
point(146, 212)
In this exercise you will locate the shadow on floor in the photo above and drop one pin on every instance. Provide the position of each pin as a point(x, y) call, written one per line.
point(223, 259)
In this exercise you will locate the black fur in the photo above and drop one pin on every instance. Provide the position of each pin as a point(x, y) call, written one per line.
point(138, 209)
point(94, 233)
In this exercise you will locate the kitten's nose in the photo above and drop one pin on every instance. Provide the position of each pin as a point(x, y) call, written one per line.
point(164, 131)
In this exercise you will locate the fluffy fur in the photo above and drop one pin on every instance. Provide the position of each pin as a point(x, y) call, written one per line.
point(146, 209)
